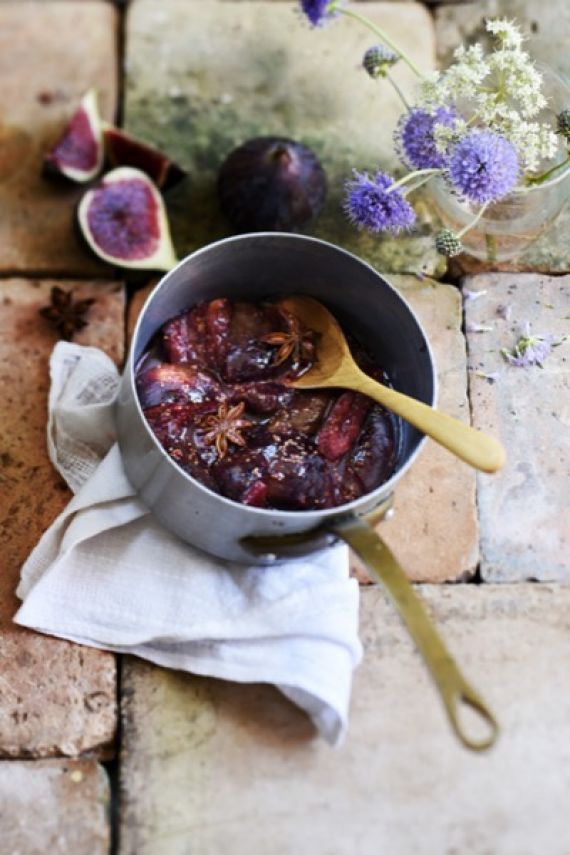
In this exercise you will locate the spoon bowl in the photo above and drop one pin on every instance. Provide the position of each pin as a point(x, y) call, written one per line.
point(335, 367)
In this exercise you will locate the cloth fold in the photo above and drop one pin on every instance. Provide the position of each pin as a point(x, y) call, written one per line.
point(108, 575)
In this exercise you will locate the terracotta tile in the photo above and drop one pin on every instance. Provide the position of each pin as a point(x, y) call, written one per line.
point(524, 510)
point(56, 806)
point(55, 697)
point(50, 54)
point(215, 766)
point(434, 529)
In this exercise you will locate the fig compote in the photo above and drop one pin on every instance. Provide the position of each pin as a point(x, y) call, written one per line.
point(213, 388)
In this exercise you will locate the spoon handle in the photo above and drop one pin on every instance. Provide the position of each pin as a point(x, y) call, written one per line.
point(476, 448)
point(453, 688)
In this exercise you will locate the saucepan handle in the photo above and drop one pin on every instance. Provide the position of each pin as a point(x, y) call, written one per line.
point(453, 687)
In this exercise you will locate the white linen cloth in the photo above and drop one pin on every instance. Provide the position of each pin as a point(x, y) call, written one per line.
point(108, 575)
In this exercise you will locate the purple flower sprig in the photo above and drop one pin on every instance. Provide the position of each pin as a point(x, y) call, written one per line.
point(483, 167)
point(415, 138)
point(530, 349)
point(375, 204)
point(318, 12)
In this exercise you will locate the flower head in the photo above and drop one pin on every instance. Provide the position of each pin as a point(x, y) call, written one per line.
point(371, 205)
point(319, 11)
point(415, 137)
point(483, 166)
point(529, 349)
point(447, 243)
point(378, 60)
point(505, 32)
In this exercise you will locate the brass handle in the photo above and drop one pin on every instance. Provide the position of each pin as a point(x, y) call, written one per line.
point(453, 687)
point(471, 445)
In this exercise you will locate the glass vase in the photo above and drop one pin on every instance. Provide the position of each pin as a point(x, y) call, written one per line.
point(510, 225)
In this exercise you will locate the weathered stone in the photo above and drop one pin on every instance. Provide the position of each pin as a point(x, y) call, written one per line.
point(55, 697)
point(546, 27)
point(524, 510)
point(547, 33)
point(204, 77)
point(50, 54)
point(434, 530)
point(214, 767)
point(55, 806)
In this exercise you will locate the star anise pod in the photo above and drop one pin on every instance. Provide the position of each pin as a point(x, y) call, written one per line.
point(226, 426)
point(295, 342)
point(66, 314)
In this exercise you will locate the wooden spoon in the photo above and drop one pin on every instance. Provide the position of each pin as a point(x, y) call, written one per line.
point(336, 367)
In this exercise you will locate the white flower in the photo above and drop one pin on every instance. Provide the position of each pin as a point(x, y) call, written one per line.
point(506, 33)
point(500, 90)
point(445, 135)
point(431, 90)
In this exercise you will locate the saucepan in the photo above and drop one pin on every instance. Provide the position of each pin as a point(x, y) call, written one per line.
point(270, 265)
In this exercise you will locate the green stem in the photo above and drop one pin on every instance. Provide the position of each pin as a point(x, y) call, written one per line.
point(540, 179)
point(473, 222)
point(412, 175)
point(491, 244)
point(398, 91)
point(416, 186)
point(382, 35)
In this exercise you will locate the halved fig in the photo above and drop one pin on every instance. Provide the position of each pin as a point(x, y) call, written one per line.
point(78, 154)
point(123, 220)
point(122, 149)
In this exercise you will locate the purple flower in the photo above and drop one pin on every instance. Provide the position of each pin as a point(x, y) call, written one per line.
point(483, 166)
point(318, 11)
point(530, 349)
point(370, 206)
point(415, 137)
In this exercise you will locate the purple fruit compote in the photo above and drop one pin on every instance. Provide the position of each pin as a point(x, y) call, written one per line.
point(213, 388)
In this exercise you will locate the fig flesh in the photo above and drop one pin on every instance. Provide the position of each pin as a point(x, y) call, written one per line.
point(122, 149)
point(124, 221)
point(78, 154)
point(271, 184)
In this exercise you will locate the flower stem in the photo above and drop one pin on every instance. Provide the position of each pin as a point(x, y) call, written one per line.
point(398, 91)
point(382, 35)
point(491, 244)
point(540, 179)
point(473, 222)
point(412, 175)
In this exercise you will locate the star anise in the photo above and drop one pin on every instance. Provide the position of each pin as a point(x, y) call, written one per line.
point(66, 314)
point(226, 426)
point(295, 342)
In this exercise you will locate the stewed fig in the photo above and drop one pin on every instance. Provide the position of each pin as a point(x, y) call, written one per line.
point(124, 221)
point(78, 153)
point(271, 184)
point(122, 149)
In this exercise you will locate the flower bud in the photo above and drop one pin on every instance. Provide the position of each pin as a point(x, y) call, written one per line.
point(378, 60)
point(447, 243)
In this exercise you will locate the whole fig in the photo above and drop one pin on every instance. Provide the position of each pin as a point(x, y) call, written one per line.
point(271, 184)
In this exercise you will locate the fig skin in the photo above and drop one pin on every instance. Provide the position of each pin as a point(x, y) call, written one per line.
point(113, 216)
point(78, 154)
point(271, 184)
point(122, 149)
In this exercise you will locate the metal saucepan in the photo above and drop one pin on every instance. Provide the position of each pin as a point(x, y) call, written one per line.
point(261, 266)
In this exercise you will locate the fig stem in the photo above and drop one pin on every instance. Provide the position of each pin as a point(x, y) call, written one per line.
point(385, 38)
